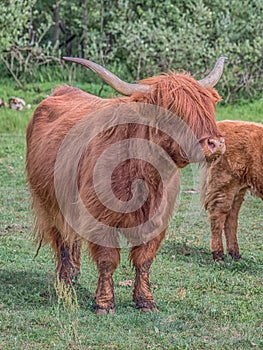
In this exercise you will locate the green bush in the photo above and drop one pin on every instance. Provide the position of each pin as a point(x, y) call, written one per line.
point(139, 39)
point(191, 35)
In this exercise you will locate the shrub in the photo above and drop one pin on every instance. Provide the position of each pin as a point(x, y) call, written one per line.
point(138, 39)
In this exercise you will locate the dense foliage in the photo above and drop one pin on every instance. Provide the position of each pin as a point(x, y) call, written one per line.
point(137, 39)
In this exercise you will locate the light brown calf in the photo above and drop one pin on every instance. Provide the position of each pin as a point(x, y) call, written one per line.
point(226, 180)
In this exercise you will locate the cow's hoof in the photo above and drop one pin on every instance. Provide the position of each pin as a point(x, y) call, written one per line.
point(147, 309)
point(102, 311)
point(235, 255)
point(218, 256)
point(147, 306)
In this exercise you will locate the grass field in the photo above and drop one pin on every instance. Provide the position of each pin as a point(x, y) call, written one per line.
point(202, 304)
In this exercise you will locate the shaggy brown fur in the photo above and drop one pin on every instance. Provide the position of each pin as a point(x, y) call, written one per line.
point(52, 121)
point(226, 180)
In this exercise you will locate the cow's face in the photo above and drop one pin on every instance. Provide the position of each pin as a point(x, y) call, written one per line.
point(213, 147)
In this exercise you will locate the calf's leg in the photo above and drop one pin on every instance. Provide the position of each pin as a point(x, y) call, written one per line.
point(142, 257)
point(107, 260)
point(217, 220)
point(219, 207)
point(231, 225)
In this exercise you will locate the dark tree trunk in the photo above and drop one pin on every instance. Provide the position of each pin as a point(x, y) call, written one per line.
point(84, 21)
point(57, 23)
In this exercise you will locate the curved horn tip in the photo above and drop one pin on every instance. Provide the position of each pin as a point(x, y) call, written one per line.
point(221, 59)
point(72, 59)
point(213, 77)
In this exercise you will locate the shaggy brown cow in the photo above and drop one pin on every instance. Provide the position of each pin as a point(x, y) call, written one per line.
point(179, 94)
point(226, 180)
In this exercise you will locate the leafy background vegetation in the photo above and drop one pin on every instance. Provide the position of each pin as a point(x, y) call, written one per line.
point(135, 39)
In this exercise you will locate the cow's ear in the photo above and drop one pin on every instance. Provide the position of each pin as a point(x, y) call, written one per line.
point(216, 97)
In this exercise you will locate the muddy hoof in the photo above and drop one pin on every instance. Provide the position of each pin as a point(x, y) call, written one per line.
point(218, 256)
point(100, 311)
point(146, 306)
point(235, 256)
point(146, 309)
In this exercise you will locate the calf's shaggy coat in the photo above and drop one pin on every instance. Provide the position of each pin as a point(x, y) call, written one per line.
point(226, 180)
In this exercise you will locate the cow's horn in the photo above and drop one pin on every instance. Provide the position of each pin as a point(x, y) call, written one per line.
point(110, 78)
point(212, 78)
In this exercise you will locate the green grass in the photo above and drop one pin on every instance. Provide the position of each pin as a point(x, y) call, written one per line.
point(202, 305)
point(249, 111)
point(16, 121)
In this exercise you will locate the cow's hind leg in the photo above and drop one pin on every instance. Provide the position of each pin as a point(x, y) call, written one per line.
point(68, 257)
point(142, 257)
point(231, 224)
point(107, 260)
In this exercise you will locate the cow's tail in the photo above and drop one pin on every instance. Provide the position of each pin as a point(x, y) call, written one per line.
point(38, 247)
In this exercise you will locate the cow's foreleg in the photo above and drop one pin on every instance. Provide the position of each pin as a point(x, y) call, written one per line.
point(68, 258)
point(142, 257)
point(69, 262)
point(231, 224)
point(107, 260)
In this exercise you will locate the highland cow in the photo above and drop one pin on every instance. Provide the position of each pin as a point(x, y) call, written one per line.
point(193, 102)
